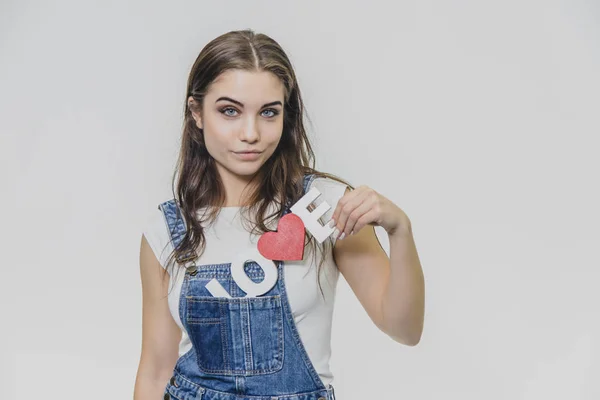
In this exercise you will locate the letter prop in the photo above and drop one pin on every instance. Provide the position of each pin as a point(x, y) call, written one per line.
point(309, 218)
point(285, 244)
point(240, 277)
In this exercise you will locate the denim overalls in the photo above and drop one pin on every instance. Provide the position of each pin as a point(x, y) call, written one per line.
point(242, 347)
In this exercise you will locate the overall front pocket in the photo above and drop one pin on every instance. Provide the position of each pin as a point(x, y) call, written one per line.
point(239, 335)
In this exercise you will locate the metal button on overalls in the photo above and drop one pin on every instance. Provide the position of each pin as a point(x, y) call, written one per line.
point(167, 397)
point(172, 381)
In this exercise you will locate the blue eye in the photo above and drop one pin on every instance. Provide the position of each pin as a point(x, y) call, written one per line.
point(224, 111)
point(274, 112)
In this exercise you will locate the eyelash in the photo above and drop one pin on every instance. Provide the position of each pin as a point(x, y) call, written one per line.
point(274, 111)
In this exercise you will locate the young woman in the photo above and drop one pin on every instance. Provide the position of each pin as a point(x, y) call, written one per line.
point(230, 311)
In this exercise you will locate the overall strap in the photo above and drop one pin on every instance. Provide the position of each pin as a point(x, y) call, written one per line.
point(308, 178)
point(175, 223)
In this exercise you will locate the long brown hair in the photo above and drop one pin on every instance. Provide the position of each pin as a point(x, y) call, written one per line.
point(278, 181)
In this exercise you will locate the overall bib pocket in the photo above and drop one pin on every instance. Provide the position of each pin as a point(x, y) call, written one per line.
point(236, 335)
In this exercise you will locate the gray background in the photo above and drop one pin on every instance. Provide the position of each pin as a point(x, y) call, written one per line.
point(479, 119)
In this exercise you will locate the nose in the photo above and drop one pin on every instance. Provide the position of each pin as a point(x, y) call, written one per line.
point(250, 131)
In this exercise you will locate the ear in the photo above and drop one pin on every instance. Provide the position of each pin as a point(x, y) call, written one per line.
point(192, 105)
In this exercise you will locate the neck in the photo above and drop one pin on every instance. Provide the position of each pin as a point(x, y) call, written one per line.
point(238, 188)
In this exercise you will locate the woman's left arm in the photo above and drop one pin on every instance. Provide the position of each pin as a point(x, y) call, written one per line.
point(390, 289)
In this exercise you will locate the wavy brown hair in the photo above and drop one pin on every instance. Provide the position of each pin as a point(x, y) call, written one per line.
point(196, 182)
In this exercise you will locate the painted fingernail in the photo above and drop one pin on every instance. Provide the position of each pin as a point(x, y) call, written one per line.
point(331, 223)
point(336, 232)
point(343, 235)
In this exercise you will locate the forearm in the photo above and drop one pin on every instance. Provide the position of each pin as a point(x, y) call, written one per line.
point(403, 305)
point(150, 387)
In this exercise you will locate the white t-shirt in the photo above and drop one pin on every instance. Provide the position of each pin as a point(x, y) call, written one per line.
point(312, 310)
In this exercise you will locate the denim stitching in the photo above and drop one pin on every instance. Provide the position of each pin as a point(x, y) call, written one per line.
point(224, 337)
point(249, 362)
point(277, 305)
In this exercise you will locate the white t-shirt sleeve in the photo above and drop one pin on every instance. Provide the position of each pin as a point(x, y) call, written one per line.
point(157, 235)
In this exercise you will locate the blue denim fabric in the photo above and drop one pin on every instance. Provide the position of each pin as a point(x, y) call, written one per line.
point(242, 347)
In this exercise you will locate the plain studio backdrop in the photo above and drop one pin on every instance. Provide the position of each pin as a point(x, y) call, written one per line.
point(479, 119)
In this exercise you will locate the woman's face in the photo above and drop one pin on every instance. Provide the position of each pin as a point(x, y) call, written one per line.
point(242, 112)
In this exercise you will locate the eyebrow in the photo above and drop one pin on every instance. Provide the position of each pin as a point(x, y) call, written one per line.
point(274, 103)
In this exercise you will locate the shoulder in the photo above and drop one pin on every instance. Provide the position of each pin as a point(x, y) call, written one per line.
point(329, 186)
point(331, 191)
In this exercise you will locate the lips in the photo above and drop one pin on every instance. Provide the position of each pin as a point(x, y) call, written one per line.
point(248, 155)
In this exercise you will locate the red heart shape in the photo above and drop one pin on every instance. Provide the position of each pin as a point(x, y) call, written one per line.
point(287, 243)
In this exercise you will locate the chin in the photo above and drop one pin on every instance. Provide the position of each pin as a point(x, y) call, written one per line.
point(247, 170)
